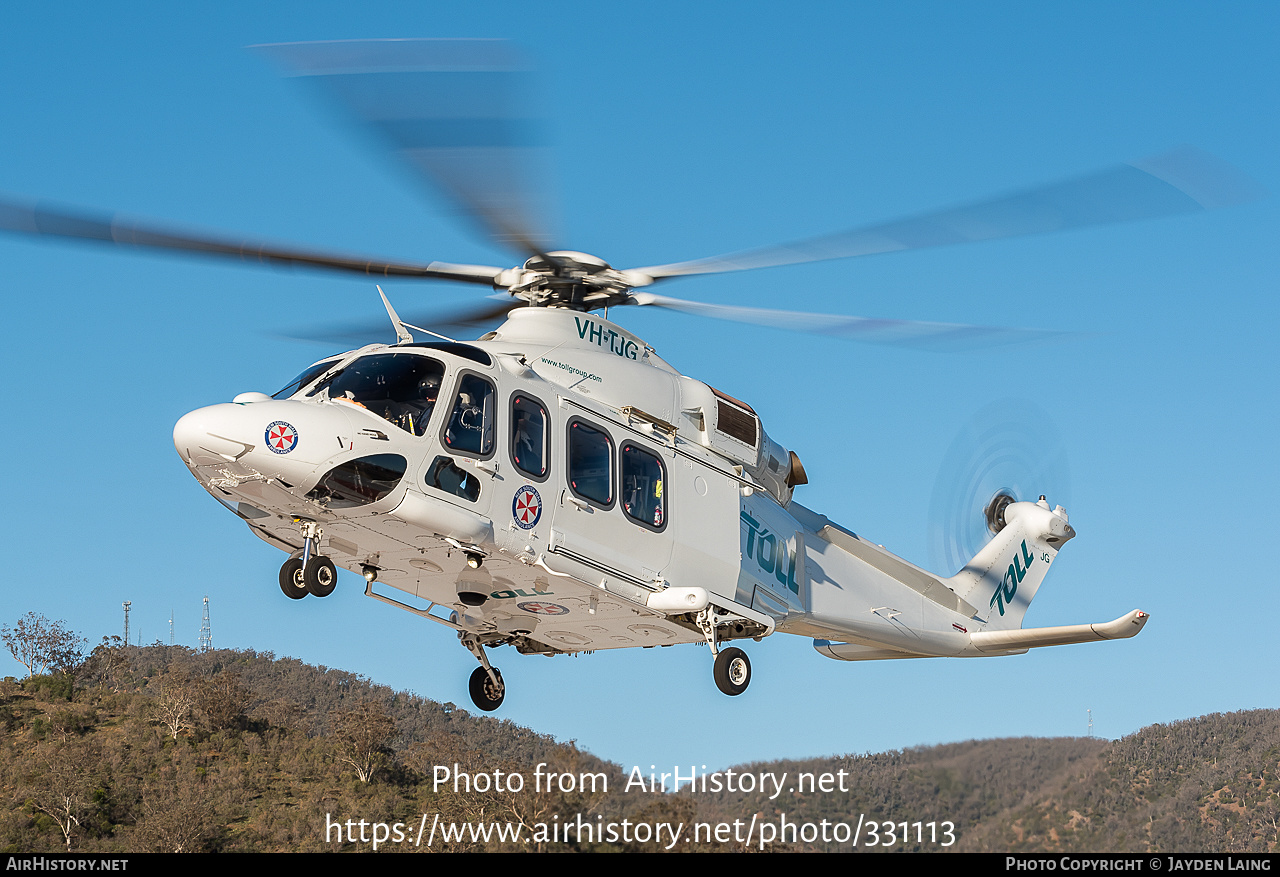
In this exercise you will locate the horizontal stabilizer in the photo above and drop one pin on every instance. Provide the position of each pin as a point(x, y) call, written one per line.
point(1003, 640)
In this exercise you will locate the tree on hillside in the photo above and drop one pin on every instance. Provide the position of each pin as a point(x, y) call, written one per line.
point(42, 645)
point(222, 699)
point(362, 734)
point(106, 663)
point(59, 782)
point(174, 703)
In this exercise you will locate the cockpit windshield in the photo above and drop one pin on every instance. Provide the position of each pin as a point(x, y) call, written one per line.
point(401, 388)
point(305, 378)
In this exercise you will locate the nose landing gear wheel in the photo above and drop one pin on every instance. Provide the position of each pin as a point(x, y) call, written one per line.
point(484, 694)
point(291, 581)
point(732, 672)
point(320, 577)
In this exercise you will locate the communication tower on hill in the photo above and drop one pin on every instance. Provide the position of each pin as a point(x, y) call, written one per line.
point(126, 604)
point(206, 633)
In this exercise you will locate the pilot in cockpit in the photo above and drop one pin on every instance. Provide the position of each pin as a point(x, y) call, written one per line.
point(415, 419)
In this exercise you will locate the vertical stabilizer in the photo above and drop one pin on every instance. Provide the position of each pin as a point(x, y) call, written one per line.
point(1002, 578)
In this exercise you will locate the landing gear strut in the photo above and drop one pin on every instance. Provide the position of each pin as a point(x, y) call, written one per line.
point(310, 573)
point(486, 685)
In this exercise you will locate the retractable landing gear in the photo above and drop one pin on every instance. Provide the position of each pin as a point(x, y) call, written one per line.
point(486, 685)
point(308, 574)
point(732, 671)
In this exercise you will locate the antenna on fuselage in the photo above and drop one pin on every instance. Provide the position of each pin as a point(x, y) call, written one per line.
point(402, 334)
point(402, 328)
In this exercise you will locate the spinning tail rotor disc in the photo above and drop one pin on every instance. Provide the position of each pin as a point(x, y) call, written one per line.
point(1009, 450)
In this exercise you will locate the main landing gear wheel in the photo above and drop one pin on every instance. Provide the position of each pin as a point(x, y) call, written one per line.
point(732, 672)
point(321, 576)
point(291, 581)
point(484, 693)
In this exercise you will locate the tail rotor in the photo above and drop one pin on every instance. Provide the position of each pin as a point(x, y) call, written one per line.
point(1007, 452)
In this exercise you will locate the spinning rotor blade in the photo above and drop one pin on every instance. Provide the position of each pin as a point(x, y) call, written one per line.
point(465, 321)
point(34, 219)
point(897, 333)
point(1012, 447)
point(449, 109)
point(1182, 181)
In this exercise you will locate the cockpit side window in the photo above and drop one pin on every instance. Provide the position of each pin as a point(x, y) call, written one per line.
point(305, 378)
point(529, 436)
point(401, 388)
point(471, 427)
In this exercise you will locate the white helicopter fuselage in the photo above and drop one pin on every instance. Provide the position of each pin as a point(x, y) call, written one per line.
point(567, 490)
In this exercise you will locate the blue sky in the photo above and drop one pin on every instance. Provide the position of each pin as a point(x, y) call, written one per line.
point(687, 130)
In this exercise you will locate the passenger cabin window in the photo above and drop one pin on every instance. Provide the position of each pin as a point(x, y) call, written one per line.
point(401, 388)
point(470, 429)
point(591, 464)
point(529, 436)
point(643, 487)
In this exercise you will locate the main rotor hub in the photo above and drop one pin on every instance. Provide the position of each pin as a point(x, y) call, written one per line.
point(567, 263)
point(568, 278)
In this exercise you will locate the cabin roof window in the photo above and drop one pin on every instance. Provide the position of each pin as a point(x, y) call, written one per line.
point(466, 351)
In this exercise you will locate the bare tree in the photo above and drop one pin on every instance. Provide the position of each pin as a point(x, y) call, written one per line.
point(61, 785)
point(362, 734)
point(174, 703)
point(42, 645)
point(177, 815)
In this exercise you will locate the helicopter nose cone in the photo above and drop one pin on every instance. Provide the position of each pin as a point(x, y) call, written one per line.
point(205, 437)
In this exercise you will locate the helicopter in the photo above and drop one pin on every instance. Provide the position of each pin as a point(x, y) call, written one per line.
point(556, 486)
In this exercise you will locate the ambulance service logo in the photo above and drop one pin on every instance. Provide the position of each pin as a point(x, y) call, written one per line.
point(526, 508)
point(281, 437)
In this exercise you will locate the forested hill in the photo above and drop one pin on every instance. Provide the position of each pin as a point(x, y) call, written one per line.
point(1205, 784)
point(163, 749)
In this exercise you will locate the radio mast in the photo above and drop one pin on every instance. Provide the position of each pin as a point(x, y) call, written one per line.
point(206, 633)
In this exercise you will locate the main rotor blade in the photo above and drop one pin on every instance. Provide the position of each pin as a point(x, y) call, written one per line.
point(895, 333)
point(1184, 181)
point(472, 319)
point(36, 219)
point(452, 110)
